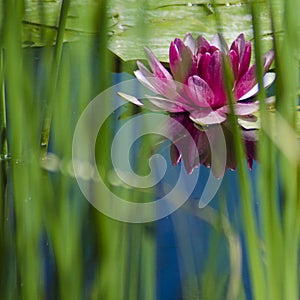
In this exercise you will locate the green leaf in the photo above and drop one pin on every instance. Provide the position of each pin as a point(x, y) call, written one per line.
point(132, 25)
point(40, 21)
point(156, 25)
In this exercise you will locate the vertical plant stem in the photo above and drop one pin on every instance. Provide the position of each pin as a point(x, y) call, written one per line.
point(252, 240)
point(287, 86)
point(54, 76)
point(8, 260)
point(3, 172)
point(25, 268)
point(267, 179)
point(288, 97)
point(3, 136)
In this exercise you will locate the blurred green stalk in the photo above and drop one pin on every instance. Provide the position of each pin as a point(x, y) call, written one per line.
point(287, 97)
point(3, 136)
point(23, 265)
point(52, 88)
point(250, 226)
point(267, 177)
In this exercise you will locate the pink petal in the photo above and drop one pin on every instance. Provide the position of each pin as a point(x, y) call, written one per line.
point(157, 85)
point(268, 59)
point(165, 104)
point(215, 79)
point(181, 61)
point(246, 83)
point(202, 45)
point(158, 69)
point(208, 116)
point(182, 147)
point(144, 70)
point(244, 60)
point(203, 63)
point(199, 92)
point(250, 94)
point(165, 87)
point(268, 79)
point(190, 42)
point(238, 45)
point(144, 81)
point(242, 109)
point(234, 59)
point(189, 153)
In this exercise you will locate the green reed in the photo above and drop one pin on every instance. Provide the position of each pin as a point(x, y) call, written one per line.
point(44, 217)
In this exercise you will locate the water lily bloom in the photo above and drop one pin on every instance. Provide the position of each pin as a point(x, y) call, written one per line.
point(196, 83)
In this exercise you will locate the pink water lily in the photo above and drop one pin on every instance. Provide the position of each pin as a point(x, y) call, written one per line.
point(196, 83)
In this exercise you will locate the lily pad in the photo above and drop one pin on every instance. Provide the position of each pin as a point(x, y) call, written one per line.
point(40, 21)
point(82, 16)
point(189, 3)
point(135, 24)
point(158, 24)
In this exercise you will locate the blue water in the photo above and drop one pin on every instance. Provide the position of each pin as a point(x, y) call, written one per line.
point(183, 241)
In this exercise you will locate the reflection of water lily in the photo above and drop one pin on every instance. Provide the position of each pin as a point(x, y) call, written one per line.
point(196, 83)
point(181, 150)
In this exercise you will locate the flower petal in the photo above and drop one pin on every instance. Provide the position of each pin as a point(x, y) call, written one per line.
point(219, 42)
point(234, 59)
point(216, 79)
point(199, 92)
point(165, 104)
point(181, 143)
point(242, 109)
point(244, 60)
point(238, 45)
point(190, 42)
point(208, 116)
point(268, 79)
point(131, 99)
point(202, 45)
point(182, 64)
point(165, 87)
point(203, 62)
point(144, 81)
point(246, 83)
point(268, 59)
point(158, 69)
point(144, 70)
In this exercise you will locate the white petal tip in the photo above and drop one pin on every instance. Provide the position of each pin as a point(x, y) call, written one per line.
point(131, 99)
